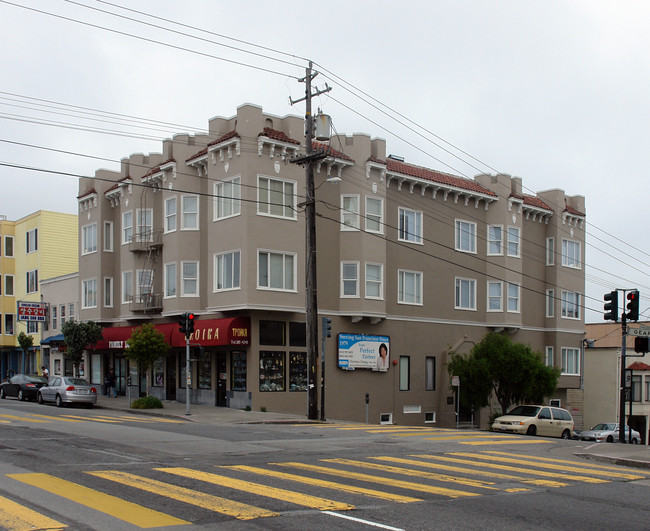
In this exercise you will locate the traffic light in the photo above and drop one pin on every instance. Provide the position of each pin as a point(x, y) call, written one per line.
point(641, 344)
point(190, 324)
point(611, 306)
point(633, 305)
point(327, 327)
point(182, 321)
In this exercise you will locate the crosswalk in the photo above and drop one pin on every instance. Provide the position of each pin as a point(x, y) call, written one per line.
point(34, 418)
point(159, 496)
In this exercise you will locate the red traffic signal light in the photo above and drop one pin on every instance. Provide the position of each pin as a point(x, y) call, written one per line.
point(633, 305)
point(640, 344)
point(190, 324)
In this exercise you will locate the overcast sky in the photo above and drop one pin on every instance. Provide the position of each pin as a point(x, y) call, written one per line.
point(555, 92)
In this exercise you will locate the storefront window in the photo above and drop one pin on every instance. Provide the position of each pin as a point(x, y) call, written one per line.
point(205, 371)
point(271, 371)
point(297, 371)
point(158, 376)
point(238, 372)
point(297, 334)
point(272, 333)
point(96, 368)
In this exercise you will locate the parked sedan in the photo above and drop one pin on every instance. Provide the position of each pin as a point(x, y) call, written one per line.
point(536, 420)
point(67, 390)
point(22, 386)
point(608, 432)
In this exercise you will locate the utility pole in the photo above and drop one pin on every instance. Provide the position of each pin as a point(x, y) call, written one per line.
point(621, 412)
point(311, 303)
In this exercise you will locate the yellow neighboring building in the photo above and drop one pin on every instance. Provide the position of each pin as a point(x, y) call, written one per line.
point(39, 246)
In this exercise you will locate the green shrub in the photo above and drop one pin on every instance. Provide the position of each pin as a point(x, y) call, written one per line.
point(147, 402)
point(248, 408)
point(263, 409)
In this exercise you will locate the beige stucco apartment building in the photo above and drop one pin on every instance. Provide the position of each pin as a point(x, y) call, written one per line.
point(414, 259)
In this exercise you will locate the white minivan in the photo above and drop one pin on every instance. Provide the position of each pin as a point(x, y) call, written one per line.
point(537, 420)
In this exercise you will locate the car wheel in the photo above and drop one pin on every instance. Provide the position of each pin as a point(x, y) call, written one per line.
point(566, 434)
point(58, 401)
point(2, 393)
point(532, 430)
point(610, 438)
point(21, 396)
point(40, 398)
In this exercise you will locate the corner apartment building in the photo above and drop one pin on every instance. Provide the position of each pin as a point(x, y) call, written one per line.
point(412, 264)
point(41, 245)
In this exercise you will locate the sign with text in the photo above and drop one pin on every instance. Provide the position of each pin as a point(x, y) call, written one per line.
point(360, 351)
point(639, 330)
point(32, 311)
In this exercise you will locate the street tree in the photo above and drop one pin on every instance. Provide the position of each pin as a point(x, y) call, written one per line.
point(512, 371)
point(77, 337)
point(145, 346)
point(26, 342)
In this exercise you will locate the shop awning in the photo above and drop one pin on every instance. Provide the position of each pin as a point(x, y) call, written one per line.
point(52, 339)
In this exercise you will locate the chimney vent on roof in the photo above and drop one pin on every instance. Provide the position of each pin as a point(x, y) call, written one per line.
point(396, 157)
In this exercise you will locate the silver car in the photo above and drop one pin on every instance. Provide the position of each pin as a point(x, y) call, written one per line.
point(68, 390)
point(608, 432)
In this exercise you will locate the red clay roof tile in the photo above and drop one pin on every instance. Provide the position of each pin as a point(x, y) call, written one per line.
point(330, 151)
point(278, 135)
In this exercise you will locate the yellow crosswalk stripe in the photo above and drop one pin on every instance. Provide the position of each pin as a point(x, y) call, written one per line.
point(397, 498)
point(451, 493)
point(16, 517)
point(298, 498)
point(91, 419)
point(456, 437)
point(105, 503)
point(53, 418)
point(514, 441)
point(415, 473)
point(15, 417)
point(241, 511)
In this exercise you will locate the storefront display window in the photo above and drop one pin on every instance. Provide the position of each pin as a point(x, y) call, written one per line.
point(272, 333)
point(238, 372)
point(205, 371)
point(96, 368)
point(297, 371)
point(272, 371)
point(158, 376)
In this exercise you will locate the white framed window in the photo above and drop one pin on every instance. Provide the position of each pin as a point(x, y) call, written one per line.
point(190, 212)
point(31, 241)
point(144, 217)
point(404, 373)
point(127, 227)
point(276, 197)
point(409, 287)
point(171, 210)
point(549, 358)
point(9, 285)
point(10, 319)
point(108, 292)
point(514, 241)
point(349, 279)
point(374, 215)
point(9, 246)
point(349, 212)
point(227, 198)
point(374, 281)
point(108, 236)
point(276, 271)
point(71, 311)
point(89, 238)
point(550, 251)
point(32, 327)
point(495, 240)
point(495, 296)
point(189, 279)
point(31, 281)
point(465, 297)
point(571, 254)
point(513, 297)
point(465, 236)
point(170, 280)
point(127, 287)
point(570, 302)
point(144, 285)
point(550, 303)
point(88, 293)
point(54, 316)
point(62, 313)
point(571, 361)
point(410, 225)
point(430, 374)
point(227, 271)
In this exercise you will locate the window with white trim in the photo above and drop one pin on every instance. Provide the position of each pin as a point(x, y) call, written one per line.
point(513, 297)
point(465, 236)
point(127, 287)
point(276, 271)
point(549, 359)
point(276, 197)
point(108, 236)
point(71, 311)
point(170, 279)
point(89, 239)
point(550, 303)
point(349, 279)
point(495, 296)
point(54, 316)
point(227, 198)
point(189, 279)
point(190, 212)
point(409, 287)
point(570, 305)
point(89, 293)
point(465, 298)
point(9, 285)
point(495, 240)
point(171, 210)
point(144, 285)
point(349, 212)
point(10, 319)
point(144, 218)
point(227, 270)
point(62, 313)
point(31, 241)
point(513, 245)
point(374, 215)
point(410, 225)
point(108, 292)
point(571, 361)
point(571, 254)
point(550, 251)
point(31, 281)
point(9, 246)
point(32, 327)
point(404, 373)
point(127, 227)
point(374, 281)
point(430, 373)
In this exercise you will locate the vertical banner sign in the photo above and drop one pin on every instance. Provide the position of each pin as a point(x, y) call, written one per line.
point(360, 351)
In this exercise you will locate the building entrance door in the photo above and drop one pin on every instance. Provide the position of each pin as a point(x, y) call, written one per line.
point(120, 376)
point(170, 380)
point(221, 379)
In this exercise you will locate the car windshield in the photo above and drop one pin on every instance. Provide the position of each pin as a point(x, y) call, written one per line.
point(40, 379)
point(525, 411)
point(76, 381)
point(604, 427)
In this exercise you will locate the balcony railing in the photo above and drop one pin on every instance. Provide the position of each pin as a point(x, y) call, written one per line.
point(146, 240)
point(147, 302)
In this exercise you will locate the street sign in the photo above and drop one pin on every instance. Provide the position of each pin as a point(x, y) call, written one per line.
point(639, 330)
point(455, 381)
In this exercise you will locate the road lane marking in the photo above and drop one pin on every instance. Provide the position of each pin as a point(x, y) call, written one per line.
point(241, 511)
point(16, 517)
point(397, 498)
point(15, 417)
point(415, 473)
point(532, 441)
point(442, 491)
point(261, 490)
point(53, 418)
point(91, 419)
point(104, 503)
point(456, 437)
point(365, 522)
